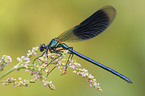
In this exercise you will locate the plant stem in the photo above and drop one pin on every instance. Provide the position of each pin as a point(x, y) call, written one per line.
point(11, 70)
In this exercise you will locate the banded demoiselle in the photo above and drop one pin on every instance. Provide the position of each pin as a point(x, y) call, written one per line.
point(89, 28)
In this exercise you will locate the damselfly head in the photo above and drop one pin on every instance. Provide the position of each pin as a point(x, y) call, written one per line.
point(42, 47)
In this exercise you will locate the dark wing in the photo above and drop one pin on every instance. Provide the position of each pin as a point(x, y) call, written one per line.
point(91, 27)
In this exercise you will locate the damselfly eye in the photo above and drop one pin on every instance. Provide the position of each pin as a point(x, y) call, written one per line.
point(42, 47)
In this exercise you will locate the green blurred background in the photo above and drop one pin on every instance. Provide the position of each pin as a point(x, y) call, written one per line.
point(27, 23)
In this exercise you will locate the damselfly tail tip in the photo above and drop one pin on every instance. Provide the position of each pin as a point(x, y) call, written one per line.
point(129, 81)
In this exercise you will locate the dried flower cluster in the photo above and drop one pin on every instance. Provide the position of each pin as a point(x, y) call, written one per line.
point(4, 61)
point(42, 67)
